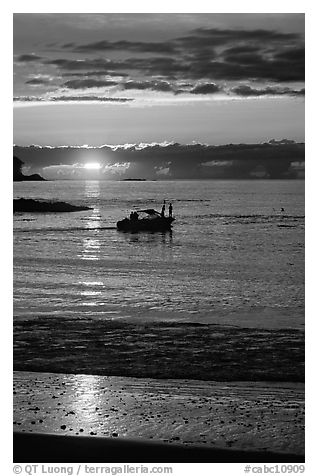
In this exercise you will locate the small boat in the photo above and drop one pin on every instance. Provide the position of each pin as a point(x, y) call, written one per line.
point(150, 220)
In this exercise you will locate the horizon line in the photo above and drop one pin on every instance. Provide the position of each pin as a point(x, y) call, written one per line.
point(143, 145)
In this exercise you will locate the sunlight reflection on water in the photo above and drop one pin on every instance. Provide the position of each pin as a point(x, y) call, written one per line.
point(91, 245)
point(85, 397)
point(230, 257)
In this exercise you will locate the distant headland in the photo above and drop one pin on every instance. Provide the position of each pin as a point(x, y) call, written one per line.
point(134, 180)
point(18, 176)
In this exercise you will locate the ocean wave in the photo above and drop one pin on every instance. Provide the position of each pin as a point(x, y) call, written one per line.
point(159, 350)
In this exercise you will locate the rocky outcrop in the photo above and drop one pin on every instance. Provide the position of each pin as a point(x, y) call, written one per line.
point(37, 206)
point(18, 176)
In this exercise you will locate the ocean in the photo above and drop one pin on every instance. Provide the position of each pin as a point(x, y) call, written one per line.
point(221, 297)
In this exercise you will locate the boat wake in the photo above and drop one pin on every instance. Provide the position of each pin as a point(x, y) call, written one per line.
point(62, 230)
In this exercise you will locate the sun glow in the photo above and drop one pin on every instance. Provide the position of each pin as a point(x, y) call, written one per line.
point(92, 166)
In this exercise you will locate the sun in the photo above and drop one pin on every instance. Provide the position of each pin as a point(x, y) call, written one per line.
point(92, 166)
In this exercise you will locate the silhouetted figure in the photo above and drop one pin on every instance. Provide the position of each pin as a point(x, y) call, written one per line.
point(133, 216)
point(170, 210)
point(163, 209)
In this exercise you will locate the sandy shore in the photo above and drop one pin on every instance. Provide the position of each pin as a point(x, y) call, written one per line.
point(257, 418)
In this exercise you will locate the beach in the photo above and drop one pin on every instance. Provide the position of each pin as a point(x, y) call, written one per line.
point(214, 420)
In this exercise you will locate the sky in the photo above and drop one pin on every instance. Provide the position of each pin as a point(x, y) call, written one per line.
point(131, 78)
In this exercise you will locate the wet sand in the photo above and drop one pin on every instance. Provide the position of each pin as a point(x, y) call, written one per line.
point(249, 417)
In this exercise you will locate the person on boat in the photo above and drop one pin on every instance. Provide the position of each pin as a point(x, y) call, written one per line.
point(170, 210)
point(163, 209)
point(134, 216)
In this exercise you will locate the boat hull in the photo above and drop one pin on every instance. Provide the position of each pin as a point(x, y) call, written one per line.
point(145, 224)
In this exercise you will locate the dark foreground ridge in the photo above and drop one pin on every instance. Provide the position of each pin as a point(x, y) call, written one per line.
point(44, 448)
point(29, 205)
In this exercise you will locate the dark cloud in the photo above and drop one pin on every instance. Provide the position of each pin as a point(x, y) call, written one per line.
point(247, 67)
point(88, 83)
point(244, 66)
point(291, 55)
point(139, 85)
point(135, 46)
point(28, 58)
point(82, 64)
point(247, 91)
point(163, 86)
point(88, 64)
point(202, 54)
point(241, 49)
point(214, 54)
point(207, 55)
point(197, 43)
point(225, 36)
point(244, 58)
point(206, 88)
point(38, 81)
point(161, 65)
point(208, 38)
point(94, 73)
point(261, 70)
